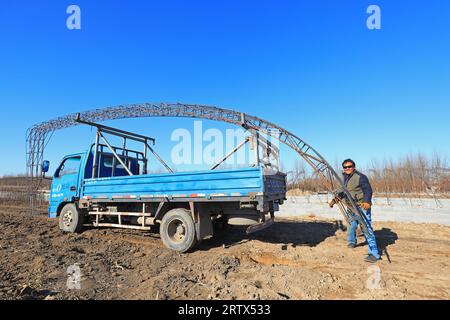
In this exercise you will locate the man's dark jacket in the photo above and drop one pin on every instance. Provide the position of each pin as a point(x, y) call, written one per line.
point(359, 187)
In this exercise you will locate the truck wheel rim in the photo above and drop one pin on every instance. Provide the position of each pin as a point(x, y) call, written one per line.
point(67, 219)
point(176, 231)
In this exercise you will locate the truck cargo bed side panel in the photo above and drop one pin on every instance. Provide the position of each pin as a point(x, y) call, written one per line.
point(203, 183)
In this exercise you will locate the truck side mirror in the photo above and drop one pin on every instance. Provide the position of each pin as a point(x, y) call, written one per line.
point(45, 166)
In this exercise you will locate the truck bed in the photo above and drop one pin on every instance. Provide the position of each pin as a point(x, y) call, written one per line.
point(209, 184)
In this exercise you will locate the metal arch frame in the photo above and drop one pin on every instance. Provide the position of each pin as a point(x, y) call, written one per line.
point(39, 134)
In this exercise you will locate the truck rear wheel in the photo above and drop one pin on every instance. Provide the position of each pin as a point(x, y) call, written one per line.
point(177, 230)
point(71, 218)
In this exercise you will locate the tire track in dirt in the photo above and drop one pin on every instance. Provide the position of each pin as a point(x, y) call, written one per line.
point(135, 240)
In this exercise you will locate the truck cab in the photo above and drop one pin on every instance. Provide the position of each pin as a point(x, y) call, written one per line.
point(74, 168)
point(65, 182)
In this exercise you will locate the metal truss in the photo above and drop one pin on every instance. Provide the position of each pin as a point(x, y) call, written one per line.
point(38, 136)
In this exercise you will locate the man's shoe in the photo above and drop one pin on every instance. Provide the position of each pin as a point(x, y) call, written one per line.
point(370, 258)
point(351, 245)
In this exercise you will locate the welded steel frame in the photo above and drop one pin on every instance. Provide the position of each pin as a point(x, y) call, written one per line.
point(101, 129)
point(36, 137)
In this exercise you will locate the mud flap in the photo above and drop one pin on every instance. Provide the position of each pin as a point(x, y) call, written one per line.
point(260, 226)
point(203, 223)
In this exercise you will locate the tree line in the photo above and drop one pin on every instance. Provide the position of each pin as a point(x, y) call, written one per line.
point(413, 174)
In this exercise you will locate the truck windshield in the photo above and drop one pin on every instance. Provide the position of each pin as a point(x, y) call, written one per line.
point(69, 166)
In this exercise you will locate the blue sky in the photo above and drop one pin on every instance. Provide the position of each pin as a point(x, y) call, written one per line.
point(312, 67)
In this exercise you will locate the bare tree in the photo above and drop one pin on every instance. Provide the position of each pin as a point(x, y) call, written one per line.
point(411, 176)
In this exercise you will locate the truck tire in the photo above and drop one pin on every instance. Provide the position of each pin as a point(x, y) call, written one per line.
point(177, 230)
point(71, 218)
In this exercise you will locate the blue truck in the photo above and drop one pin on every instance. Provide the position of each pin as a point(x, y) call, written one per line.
point(109, 186)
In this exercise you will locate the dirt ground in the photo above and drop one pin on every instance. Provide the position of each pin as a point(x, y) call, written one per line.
point(301, 258)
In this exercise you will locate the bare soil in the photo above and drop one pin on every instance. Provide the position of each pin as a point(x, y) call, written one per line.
point(301, 258)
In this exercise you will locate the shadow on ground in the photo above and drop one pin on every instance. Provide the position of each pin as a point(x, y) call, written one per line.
point(385, 237)
point(303, 233)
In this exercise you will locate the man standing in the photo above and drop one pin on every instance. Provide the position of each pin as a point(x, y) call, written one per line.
point(359, 188)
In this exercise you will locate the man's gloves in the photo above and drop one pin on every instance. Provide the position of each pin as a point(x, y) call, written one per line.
point(334, 201)
point(365, 205)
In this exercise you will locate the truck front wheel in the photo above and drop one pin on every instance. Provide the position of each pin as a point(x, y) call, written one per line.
point(71, 218)
point(177, 230)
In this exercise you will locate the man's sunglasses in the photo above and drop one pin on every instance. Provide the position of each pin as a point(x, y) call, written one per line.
point(347, 167)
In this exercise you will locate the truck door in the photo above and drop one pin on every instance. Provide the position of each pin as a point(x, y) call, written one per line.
point(65, 181)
